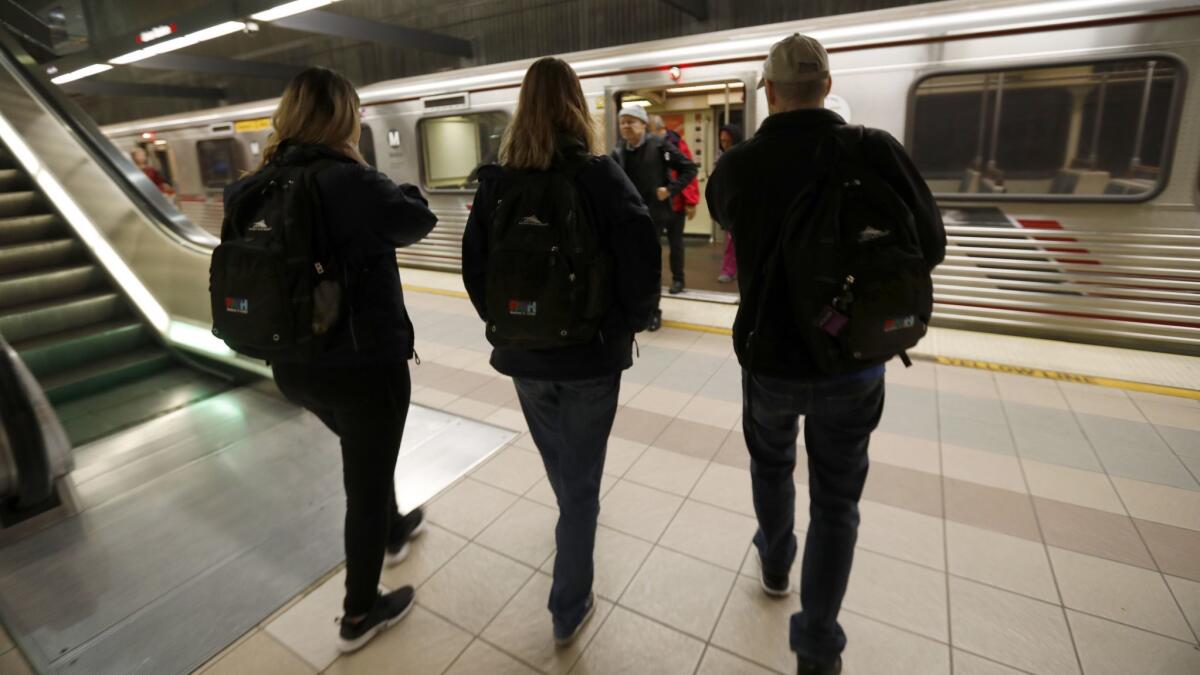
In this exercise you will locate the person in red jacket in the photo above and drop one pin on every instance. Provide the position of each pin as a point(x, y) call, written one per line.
point(685, 202)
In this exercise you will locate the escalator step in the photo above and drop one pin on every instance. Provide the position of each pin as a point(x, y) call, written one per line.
point(12, 180)
point(22, 203)
point(27, 257)
point(25, 229)
point(71, 349)
point(105, 374)
point(41, 285)
point(27, 322)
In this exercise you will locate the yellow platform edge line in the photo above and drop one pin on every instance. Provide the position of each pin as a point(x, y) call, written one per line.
point(1112, 383)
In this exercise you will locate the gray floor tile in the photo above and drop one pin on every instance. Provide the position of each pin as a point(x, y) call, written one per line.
point(1185, 442)
point(1091, 531)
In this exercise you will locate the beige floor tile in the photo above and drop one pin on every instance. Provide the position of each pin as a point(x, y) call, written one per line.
point(720, 662)
point(512, 469)
point(1009, 628)
point(423, 643)
point(1108, 648)
point(969, 664)
point(991, 509)
point(524, 629)
point(628, 643)
point(726, 487)
point(641, 511)
point(911, 453)
point(905, 488)
point(640, 426)
point(1091, 400)
point(1123, 593)
point(13, 662)
point(1030, 391)
point(967, 381)
point(508, 419)
point(982, 467)
point(1160, 503)
point(682, 592)
point(922, 374)
point(1187, 592)
point(1071, 485)
point(712, 411)
point(1175, 549)
point(621, 455)
point(481, 658)
point(426, 556)
point(470, 408)
point(629, 389)
point(525, 532)
point(498, 392)
point(1178, 413)
point(659, 400)
point(473, 587)
point(1091, 531)
point(310, 627)
point(755, 626)
point(875, 648)
point(733, 452)
point(692, 438)
point(903, 534)
point(1012, 563)
point(260, 654)
point(616, 558)
point(710, 534)
point(468, 507)
point(433, 398)
point(667, 470)
point(898, 593)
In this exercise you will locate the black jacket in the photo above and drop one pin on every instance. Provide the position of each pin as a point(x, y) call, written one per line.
point(368, 217)
point(648, 168)
point(624, 227)
point(750, 190)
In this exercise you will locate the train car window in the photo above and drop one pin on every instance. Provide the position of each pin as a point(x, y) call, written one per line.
point(453, 147)
point(366, 144)
point(220, 162)
point(1075, 131)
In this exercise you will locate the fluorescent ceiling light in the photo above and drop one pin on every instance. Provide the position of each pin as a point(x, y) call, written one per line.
point(290, 8)
point(695, 89)
point(173, 44)
point(81, 73)
point(637, 101)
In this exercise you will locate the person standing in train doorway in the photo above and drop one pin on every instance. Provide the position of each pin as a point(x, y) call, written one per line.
point(359, 385)
point(729, 136)
point(647, 160)
point(562, 262)
point(755, 191)
point(683, 205)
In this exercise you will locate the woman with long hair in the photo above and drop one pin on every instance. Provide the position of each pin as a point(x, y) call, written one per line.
point(569, 393)
point(359, 384)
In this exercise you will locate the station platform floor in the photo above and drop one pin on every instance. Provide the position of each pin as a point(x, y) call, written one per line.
point(1010, 524)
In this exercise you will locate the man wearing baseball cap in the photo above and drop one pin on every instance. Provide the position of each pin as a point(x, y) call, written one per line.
point(752, 190)
point(648, 160)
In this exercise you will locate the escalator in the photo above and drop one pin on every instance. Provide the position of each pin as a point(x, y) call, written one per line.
point(97, 361)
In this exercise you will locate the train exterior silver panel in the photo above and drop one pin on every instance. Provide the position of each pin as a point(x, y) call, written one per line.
point(1063, 242)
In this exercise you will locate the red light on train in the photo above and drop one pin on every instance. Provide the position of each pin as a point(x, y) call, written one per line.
point(675, 72)
point(147, 135)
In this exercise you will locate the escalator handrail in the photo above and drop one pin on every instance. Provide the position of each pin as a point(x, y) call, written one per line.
point(18, 421)
point(141, 191)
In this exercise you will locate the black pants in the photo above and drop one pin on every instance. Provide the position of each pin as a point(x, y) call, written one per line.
point(366, 406)
point(672, 223)
point(839, 416)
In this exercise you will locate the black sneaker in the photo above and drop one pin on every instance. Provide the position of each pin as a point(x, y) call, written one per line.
point(411, 526)
point(676, 288)
point(563, 637)
point(388, 611)
point(806, 667)
point(774, 585)
point(655, 321)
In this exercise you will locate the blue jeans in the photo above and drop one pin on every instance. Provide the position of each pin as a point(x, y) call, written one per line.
point(570, 422)
point(839, 415)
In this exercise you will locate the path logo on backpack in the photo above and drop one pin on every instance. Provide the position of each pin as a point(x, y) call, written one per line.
point(273, 282)
point(547, 275)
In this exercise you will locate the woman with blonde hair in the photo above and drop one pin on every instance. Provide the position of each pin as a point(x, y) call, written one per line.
point(358, 385)
point(561, 260)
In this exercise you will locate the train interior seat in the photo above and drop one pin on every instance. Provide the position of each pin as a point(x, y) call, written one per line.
point(1080, 182)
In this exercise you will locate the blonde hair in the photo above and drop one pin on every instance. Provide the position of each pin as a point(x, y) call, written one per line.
point(318, 107)
point(551, 105)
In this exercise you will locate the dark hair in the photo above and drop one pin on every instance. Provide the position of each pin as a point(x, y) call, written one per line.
point(734, 131)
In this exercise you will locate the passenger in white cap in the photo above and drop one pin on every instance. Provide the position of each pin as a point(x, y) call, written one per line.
point(775, 193)
point(659, 171)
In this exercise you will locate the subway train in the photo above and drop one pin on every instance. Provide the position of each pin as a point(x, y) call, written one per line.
point(1061, 139)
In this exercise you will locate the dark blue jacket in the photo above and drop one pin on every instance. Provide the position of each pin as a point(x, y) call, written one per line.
point(625, 228)
point(368, 217)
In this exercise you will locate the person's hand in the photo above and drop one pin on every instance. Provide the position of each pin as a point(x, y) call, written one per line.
point(690, 210)
point(663, 194)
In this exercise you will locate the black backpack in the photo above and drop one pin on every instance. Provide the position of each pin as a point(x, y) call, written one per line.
point(548, 277)
point(273, 280)
point(858, 284)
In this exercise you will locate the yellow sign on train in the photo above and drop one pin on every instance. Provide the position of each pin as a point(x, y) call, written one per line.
point(252, 125)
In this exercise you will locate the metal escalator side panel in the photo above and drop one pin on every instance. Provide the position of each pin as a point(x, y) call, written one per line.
point(34, 436)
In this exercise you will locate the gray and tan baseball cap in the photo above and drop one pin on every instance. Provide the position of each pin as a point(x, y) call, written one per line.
point(796, 58)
